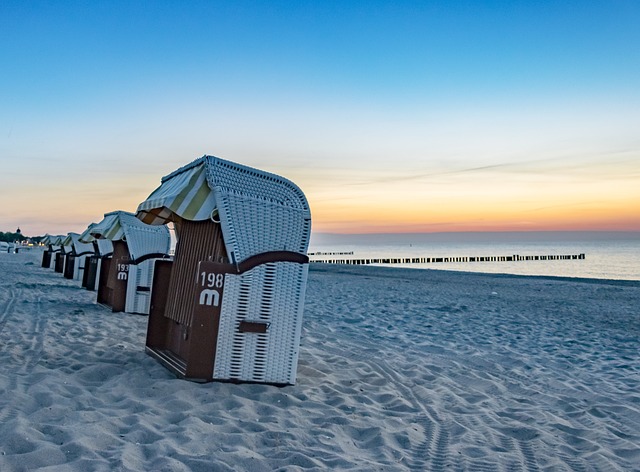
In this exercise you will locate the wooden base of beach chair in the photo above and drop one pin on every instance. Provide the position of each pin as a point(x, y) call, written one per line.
point(46, 259)
point(251, 334)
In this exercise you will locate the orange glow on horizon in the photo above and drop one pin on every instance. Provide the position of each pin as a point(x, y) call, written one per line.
point(459, 227)
point(374, 203)
point(478, 206)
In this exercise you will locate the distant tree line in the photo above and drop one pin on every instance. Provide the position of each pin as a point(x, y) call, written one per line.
point(12, 237)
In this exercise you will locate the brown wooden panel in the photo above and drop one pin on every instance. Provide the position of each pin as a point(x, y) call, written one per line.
point(70, 261)
point(196, 241)
point(90, 272)
point(157, 328)
point(46, 258)
point(104, 294)
point(59, 267)
point(118, 274)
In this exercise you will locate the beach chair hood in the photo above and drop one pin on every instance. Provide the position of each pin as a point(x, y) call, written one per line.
point(53, 241)
point(67, 243)
point(85, 236)
point(258, 211)
point(80, 248)
point(95, 233)
point(142, 240)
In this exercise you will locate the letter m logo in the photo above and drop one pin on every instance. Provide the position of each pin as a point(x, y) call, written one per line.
point(122, 276)
point(209, 297)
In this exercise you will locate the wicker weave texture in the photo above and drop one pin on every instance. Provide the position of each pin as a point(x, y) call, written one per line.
point(99, 229)
point(79, 246)
point(271, 293)
point(231, 176)
point(97, 281)
point(105, 246)
point(140, 276)
point(53, 260)
point(147, 240)
point(79, 265)
point(259, 211)
point(253, 225)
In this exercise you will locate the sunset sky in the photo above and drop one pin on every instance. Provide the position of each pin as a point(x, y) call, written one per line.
point(392, 116)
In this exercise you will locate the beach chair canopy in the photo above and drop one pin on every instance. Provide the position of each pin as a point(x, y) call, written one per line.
point(53, 240)
point(67, 243)
point(86, 236)
point(258, 211)
point(103, 247)
point(80, 248)
point(142, 239)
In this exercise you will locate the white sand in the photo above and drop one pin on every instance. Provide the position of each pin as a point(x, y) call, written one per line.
point(399, 370)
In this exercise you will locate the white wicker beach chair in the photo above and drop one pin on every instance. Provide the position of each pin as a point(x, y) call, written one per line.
point(125, 277)
point(56, 251)
point(81, 253)
point(48, 251)
point(63, 256)
point(232, 309)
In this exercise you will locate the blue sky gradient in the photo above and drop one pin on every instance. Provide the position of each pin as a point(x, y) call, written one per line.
point(365, 104)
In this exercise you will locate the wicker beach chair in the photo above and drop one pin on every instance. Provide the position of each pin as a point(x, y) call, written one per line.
point(77, 259)
point(103, 250)
point(230, 305)
point(126, 275)
point(62, 256)
point(91, 260)
point(49, 256)
point(46, 254)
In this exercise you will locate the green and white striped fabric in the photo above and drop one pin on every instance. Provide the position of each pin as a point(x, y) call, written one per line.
point(86, 236)
point(79, 246)
point(184, 192)
point(99, 230)
point(141, 239)
point(67, 243)
point(115, 232)
point(52, 240)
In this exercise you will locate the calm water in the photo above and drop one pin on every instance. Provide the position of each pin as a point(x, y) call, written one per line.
point(607, 256)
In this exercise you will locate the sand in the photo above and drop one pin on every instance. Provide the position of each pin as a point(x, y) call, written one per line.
point(399, 370)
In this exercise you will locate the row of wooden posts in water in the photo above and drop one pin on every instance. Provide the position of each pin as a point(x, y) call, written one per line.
point(430, 260)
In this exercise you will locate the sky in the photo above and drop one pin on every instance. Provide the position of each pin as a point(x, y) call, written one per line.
point(391, 116)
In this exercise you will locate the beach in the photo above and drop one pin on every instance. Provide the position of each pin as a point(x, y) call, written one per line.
point(399, 370)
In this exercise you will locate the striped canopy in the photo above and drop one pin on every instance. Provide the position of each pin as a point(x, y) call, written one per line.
point(108, 227)
point(79, 247)
point(67, 243)
point(53, 240)
point(86, 236)
point(141, 239)
point(184, 192)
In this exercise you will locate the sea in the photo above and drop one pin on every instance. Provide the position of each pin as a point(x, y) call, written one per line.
point(607, 255)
